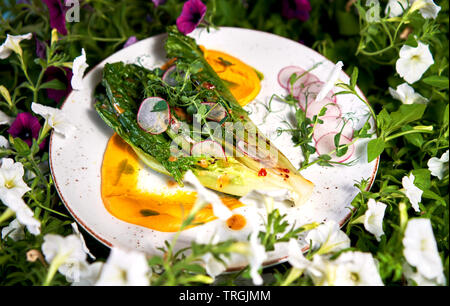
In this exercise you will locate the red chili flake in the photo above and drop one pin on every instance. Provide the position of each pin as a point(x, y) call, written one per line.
point(208, 85)
point(285, 170)
point(262, 172)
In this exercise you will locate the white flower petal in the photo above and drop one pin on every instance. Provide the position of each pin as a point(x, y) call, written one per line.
point(204, 195)
point(421, 280)
point(396, 7)
point(14, 231)
point(413, 193)
point(328, 237)
point(54, 117)
point(413, 62)
point(69, 247)
point(78, 69)
point(11, 179)
point(438, 166)
point(356, 269)
point(125, 268)
point(420, 248)
point(295, 255)
point(77, 232)
point(373, 220)
point(12, 44)
point(5, 119)
point(256, 258)
point(4, 143)
point(88, 275)
point(430, 10)
point(407, 95)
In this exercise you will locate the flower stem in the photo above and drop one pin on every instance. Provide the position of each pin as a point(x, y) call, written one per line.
point(8, 213)
point(292, 276)
point(56, 263)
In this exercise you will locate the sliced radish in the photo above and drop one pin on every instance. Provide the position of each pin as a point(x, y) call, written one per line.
point(209, 148)
point(154, 115)
point(333, 124)
point(325, 145)
point(216, 111)
point(314, 108)
point(284, 76)
point(169, 76)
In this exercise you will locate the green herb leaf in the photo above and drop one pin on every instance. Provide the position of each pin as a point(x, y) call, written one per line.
point(440, 82)
point(374, 148)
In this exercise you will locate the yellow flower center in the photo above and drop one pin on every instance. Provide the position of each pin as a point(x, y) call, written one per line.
point(9, 184)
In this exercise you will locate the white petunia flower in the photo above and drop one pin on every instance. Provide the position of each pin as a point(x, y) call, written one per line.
point(5, 119)
point(356, 269)
point(4, 143)
point(11, 44)
point(54, 117)
point(80, 236)
point(328, 238)
point(78, 69)
point(438, 166)
point(427, 8)
point(11, 179)
point(24, 214)
point(321, 270)
point(65, 253)
point(407, 95)
point(329, 84)
point(373, 218)
point(421, 280)
point(396, 7)
point(125, 268)
point(420, 248)
point(413, 193)
point(204, 195)
point(14, 231)
point(413, 62)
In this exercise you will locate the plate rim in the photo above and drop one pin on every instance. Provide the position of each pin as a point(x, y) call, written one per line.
point(109, 244)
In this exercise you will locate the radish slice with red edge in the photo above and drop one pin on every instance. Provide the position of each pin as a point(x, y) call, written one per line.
point(325, 145)
point(284, 76)
point(333, 110)
point(154, 115)
point(168, 76)
point(208, 148)
point(333, 124)
point(303, 83)
point(216, 111)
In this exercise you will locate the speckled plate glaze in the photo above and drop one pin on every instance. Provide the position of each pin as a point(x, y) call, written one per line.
point(76, 160)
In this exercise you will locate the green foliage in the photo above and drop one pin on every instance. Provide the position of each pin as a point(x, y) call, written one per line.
point(408, 135)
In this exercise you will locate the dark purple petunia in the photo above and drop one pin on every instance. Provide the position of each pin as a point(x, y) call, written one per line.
point(158, 2)
point(56, 73)
point(130, 41)
point(57, 15)
point(298, 9)
point(26, 127)
point(191, 16)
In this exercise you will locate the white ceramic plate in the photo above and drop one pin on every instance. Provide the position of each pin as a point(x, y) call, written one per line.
point(76, 160)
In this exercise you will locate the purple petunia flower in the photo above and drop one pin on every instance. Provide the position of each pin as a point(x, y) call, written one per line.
point(26, 127)
point(158, 2)
point(299, 9)
point(56, 73)
point(130, 41)
point(191, 16)
point(57, 15)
